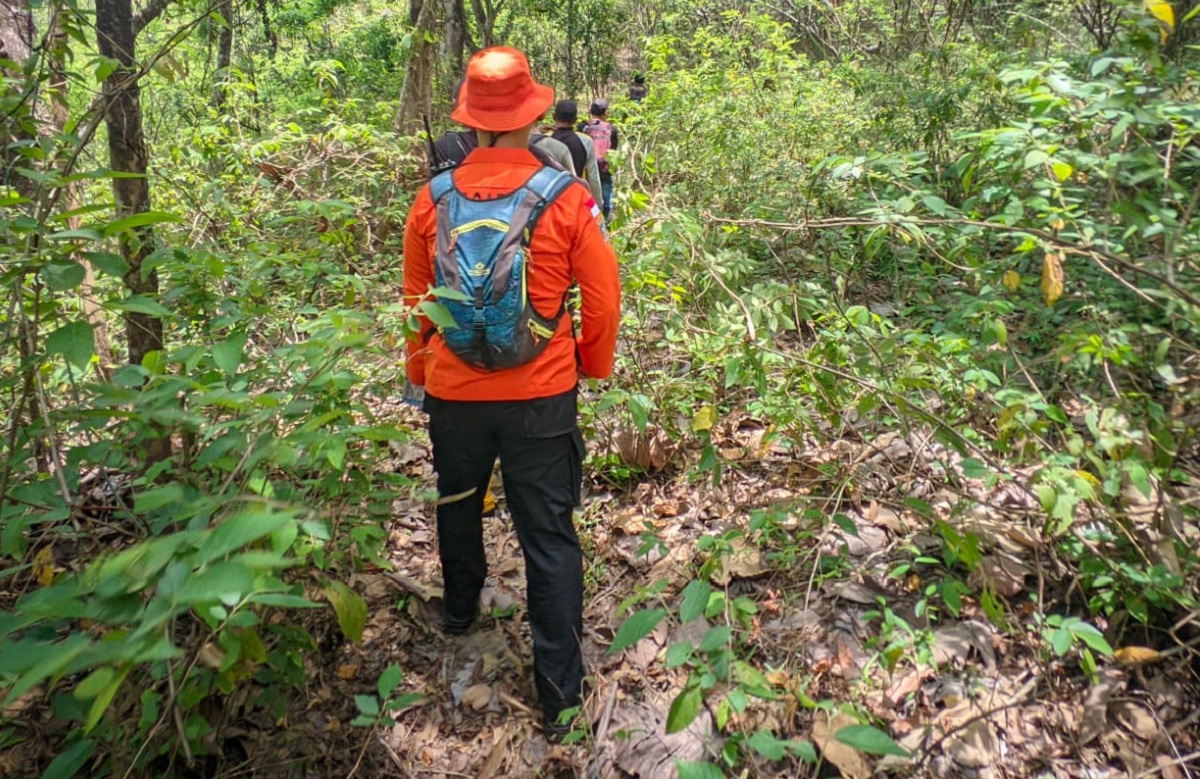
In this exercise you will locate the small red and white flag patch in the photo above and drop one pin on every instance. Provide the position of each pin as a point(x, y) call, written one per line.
point(591, 206)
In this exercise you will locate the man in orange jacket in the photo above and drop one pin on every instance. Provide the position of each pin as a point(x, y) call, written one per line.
point(525, 413)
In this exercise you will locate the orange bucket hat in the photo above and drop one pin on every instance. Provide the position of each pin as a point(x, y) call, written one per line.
point(499, 94)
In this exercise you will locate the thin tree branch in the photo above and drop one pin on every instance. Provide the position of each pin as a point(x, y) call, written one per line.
point(152, 11)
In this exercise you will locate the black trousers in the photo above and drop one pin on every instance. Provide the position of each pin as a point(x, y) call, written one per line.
point(541, 457)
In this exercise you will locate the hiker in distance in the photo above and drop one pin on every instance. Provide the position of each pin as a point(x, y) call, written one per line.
point(503, 382)
point(638, 89)
point(604, 136)
point(583, 151)
point(449, 150)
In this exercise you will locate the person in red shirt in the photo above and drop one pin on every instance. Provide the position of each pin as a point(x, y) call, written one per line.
point(526, 414)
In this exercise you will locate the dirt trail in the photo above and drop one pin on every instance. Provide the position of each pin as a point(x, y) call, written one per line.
point(967, 698)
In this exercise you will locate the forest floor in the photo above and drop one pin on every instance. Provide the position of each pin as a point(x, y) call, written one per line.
point(855, 608)
point(844, 629)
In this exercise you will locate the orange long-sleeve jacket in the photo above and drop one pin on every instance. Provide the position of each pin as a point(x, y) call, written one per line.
point(566, 245)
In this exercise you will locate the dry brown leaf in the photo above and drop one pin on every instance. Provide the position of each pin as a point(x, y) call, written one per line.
point(1168, 767)
point(1002, 575)
point(347, 671)
point(1136, 655)
point(975, 746)
point(491, 766)
point(666, 508)
point(743, 562)
point(1094, 717)
point(477, 697)
point(1137, 719)
point(648, 450)
point(631, 523)
point(1052, 277)
point(955, 643)
point(845, 758)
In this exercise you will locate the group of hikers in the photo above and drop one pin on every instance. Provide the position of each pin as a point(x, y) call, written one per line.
point(569, 144)
point(507, 226)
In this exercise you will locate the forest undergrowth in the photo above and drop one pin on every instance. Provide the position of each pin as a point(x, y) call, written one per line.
point(897, 474)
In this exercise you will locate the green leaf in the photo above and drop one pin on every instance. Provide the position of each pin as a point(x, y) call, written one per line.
point(389, 680)
point(870, 740)
point(678, 654)
point(74, 341)
point(639, 409)
point(283, 600)
point(94, 683)
point(157, 497)
point(446, 293)
point(698, 770)
point(141, 304)
point(62, 276)
point(102, 701)
point(368, 705)
point(84, 234)
point(239, 530)
point(1061, 641)
point(350, 608)
point(695, 598)
point(53, 658)
point(68, 763)
point(684, 708)
point(228, 354)
point(138, 220)
point(804, 750)
point(635, 627)
point(937, 206)
point(438, 314)
point(974, 469)
point(1091, 636)
point(765, 744)
point(107, 262)
point(716, 638)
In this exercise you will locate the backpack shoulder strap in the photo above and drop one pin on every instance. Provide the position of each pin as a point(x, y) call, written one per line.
point(548, 184)
point(440, 185)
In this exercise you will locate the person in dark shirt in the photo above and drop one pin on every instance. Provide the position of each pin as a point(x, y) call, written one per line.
point(638, 89)
point(565, 114)
point(454, 145)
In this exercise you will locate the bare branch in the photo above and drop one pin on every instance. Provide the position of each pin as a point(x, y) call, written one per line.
point(149, 13)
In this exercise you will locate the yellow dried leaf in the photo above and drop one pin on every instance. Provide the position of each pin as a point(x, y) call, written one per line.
point(347, 671)
point(1136, 655)
point(1057, 223)
point(1052, 278)
point(1162, 11)
point(704, 419)
point(1011, 280)
point(43, 566)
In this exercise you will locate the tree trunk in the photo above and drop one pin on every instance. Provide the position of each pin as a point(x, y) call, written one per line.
point(268, 30)
point(571, 49)
point(224, 54)
point(58, 52)
point(127, 154)
point(454, 40)
point(417, 94)
point(16, 45)
point(486, 13)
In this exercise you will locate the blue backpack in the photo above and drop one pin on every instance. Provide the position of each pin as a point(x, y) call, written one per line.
point(482, 252)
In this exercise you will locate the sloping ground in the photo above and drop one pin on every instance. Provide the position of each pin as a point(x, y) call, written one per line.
point(841, 602)
point(848, 625)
